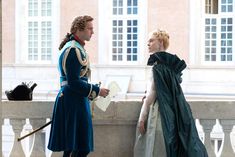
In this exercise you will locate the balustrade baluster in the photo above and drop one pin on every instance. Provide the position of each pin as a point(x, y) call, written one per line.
point(232, 138)
point(38, 150)
point(208, 125)
point(28, 142)
point(217, 136)
point(8, 137)
point(200, 130)
point(227, 128)
point(17, 125)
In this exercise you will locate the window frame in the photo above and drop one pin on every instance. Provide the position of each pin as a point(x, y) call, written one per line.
point(105, 39)
point(22, 32)
point(218, 18)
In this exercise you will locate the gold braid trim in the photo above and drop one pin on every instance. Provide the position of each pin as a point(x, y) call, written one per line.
point(84, 62)
point(64, 60)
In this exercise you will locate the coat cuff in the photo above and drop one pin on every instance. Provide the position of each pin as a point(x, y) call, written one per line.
point(94, 92)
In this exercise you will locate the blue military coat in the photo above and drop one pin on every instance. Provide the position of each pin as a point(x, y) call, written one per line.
point(71, 127)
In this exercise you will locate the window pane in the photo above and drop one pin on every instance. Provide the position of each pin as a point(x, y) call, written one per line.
point(120, 12)
point(135, 43)
point(229, 28)
point(207, 58)
point(223, 43)
point(223, 35)
point(135, 11)
point(229, 35)
point(120, 3)
point(229, 50)
point(120, 44)
point(119, 57)
point(223, 8)
point(229, 57)
point(132, 7)
point(229, 43)
point(114, 58)
point(135, 36)
point(207, 21)
point(213, 35)
point(213, 43)
point(213, 21)
point(128, 57)
point(223, 50)
point(207, 36)
point(135, 50)
point(213, 29)
point(120, 50)
point(230, 21)
point(223, 58)
point(207, 28)
point(114, 50)
point(114, 11)
point(115, 3)
point(213, 50)
point(213, 58)
point(230, 8)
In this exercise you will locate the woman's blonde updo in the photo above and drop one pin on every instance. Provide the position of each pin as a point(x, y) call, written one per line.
point(163, 36)
point(79, 23)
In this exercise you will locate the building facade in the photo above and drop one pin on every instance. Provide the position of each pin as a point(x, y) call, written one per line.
point(202, 32)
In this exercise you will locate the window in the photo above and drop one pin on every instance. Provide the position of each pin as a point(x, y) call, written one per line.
point(211, 6)
point(219, 31)
point(125, 25)
point(39, 30)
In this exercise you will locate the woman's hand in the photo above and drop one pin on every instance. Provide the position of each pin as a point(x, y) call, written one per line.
point(141, 127)
point(104, 92)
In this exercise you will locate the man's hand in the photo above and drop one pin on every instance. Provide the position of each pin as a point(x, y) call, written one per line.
point(104, 92)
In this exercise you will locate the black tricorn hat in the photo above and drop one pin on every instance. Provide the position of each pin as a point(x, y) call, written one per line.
point(21, 92)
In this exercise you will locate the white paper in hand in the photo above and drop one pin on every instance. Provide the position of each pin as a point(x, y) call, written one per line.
point(103, 103)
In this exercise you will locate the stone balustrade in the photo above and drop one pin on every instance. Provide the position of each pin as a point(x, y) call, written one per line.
point(114, 129)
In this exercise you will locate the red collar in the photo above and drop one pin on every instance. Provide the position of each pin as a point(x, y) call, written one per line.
point(79, 40)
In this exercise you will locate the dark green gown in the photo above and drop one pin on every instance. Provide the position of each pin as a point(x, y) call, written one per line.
point(179, 130)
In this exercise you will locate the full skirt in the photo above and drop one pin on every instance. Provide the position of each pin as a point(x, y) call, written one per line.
point(151, 144)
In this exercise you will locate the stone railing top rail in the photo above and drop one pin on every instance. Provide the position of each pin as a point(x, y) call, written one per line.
point(120, 110)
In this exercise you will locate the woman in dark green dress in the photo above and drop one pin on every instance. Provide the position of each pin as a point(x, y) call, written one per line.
point(166, 126)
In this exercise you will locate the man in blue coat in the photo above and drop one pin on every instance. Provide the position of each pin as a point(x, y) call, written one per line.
point(71, 129)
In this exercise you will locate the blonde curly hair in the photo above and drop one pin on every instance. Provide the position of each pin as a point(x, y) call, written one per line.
point(163, 36)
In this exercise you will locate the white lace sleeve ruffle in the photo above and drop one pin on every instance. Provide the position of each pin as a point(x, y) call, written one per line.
point(151, 96)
